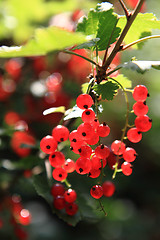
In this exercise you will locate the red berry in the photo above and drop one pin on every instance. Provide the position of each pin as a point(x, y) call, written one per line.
point(93, 140)
point(24, 217)
point(85, 131)
point(83, 165)
point(140, 108)
point(70, 195)
point(57, 189)
point(59, 174)
point(59, 202)
point(96, 162)
point(60, 133)
point(57, 159)
point(85, 151)
point(88, 116)
point(143, 123)
point(103, 130)
point(11, 118)
point(118, 147)
point(95, 123)
point(96, 191)
point(69, 165)
point(126, 168)
point(84, 101)
point(71, 208)
point(75, 146)
point(48, 144)
point(129, 154)
point(134, 135)
point(108, 188)
point(102, 151)
point(94, 173)
point(73, 136)
point(140, 93)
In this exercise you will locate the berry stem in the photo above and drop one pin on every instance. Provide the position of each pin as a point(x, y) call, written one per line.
point(67, 183)
point(124, 8)
point(125, 126)
point(102, 207)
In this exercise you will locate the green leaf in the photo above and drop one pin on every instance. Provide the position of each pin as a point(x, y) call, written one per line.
point(84, 87)
point(74, 112)
point(28, 162)
point(106, 89)
point(71, 220)
point(45, 40)
point(18, 18)
point(41, 185)
point(143, 23)
point(124, 81)
point(60, 109)
point(87, 45)
point(141, 66)
point(101, 23)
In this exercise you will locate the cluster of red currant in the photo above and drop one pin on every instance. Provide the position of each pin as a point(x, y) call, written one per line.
point(64, 199)
point(92, 160)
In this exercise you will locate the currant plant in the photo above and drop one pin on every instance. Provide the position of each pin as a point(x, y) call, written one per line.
point(104, 34)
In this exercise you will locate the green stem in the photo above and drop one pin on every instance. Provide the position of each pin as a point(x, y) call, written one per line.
point(125, 126)
point(139, 41)
point(67, 183)
point(76, 54)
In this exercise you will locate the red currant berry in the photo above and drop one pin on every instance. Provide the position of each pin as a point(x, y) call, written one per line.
point(48, 144)
point(85, 131)
point(75, 146)
point(94, 173)
point(88, 116)
point(95, 123)
point(57, 159)
point(140, 93)
point(71, 208)
point(126, 168)
point(96, 162)
point(57, 189)
point(84, 101)
point(59, 202)
point(60, 133)
point(93, 140)
point(108, 188)
point(69, 165)
point(102, 151)
point(103, 130)
point(129, 154)
point(83, 165)
point(140, 108)
point(73, 136)
point(59, 174)
point(85, 151)
point(134, 135)
point(96, 191)
point(24, 217)
point(70, 195)
point(143, 123)
point(118, 147)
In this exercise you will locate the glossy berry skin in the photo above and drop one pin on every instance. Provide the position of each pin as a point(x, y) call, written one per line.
point(69, 165)
point(102, 151)
point(118, 147)
point(70, 195)
point(71, 208)
point(95, 124)
point(94, 173)
point(85, 131)
point(126, 168)
point(93, 140)
point(134, 135)
point(75, 146)
point(85, 151)
point(103, 130)
point(57, 159)
point(96, 162)
point(96, 191)
point(129, 154)
point(83, 165)
point(48, 144)
point(108, 188)
point(24, 217)
point(73, 136)
point(88, 115)
point(60, 133)
point(143, 123)
point(59, 174)
point(59, 202)
point(140, 108)
point(57, 189)
point(84, 101)
point(140, 93)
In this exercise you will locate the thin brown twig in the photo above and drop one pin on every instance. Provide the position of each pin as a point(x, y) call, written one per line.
point(125, 9)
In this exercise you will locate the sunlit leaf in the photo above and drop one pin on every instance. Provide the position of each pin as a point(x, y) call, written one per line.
point(106, 89)
point(142, 66)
